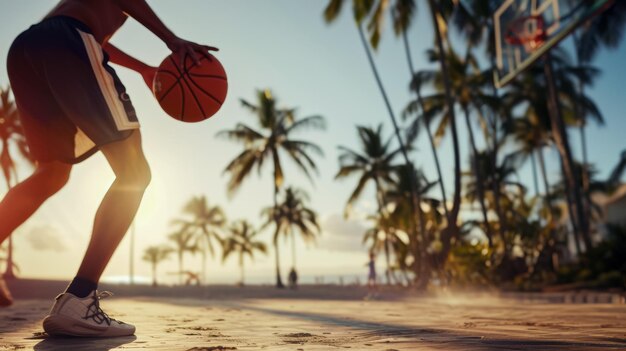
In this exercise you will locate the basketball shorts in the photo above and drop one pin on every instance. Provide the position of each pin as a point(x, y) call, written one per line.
point(70, 101)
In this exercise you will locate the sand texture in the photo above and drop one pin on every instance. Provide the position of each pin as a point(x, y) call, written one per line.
point(384, 324)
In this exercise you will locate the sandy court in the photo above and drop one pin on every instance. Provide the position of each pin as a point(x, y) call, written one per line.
point(310, 324)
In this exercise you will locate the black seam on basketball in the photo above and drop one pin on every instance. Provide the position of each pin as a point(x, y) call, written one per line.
point(182, 114)
point(206, 75)
point(167, 71)
point(175, 65)
point(170, 88)
point(185, 69)
point(182, 76)
point(195, 97)
point(182, 107)
point(206, 92)
point(179, 77)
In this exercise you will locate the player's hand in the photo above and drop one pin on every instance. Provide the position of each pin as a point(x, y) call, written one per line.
point(195, 51)
point(148, 73)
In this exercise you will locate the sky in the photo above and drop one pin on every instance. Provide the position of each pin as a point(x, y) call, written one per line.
point(286, 46)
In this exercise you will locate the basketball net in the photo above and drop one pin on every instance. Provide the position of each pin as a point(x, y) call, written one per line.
point(527, 31)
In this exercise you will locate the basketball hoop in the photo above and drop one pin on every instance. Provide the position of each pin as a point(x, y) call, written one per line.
point(525, 30)
point(528, 31)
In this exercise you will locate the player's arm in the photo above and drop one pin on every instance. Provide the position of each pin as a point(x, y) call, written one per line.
point(141, 11)
point(121, 58)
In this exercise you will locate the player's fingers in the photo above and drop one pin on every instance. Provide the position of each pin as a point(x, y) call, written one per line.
point(194, 55)
point(181, 58)
point(202, 50)
point(210, 48)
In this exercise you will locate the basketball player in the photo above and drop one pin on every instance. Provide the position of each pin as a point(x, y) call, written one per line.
point(72, 104)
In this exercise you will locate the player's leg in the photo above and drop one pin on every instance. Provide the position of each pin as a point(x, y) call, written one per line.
point(24, 199)
point(119, 206)
point(77, 312)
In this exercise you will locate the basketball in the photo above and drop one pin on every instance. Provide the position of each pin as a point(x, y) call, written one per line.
point(190, 92)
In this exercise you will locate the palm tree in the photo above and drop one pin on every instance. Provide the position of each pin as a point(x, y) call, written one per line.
point(206, 223)
point(399, 197)
point(374, 163)
point(361, 9)
point(530, 91)
point(293, 216)
point(474, 20)
point(440, 26)
point(242, 241)
point(605, 30)
point(11, 134)
point(467, 83)
point(183, 240)
point(277, 128)
point(381, 237)
point(155, 255)
point(372, 239)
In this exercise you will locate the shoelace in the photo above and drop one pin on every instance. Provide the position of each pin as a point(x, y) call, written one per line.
point(95, 312)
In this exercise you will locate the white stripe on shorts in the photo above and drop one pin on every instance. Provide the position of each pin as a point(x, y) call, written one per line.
point(106, 83)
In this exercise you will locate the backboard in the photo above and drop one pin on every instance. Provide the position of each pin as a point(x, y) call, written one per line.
point(524, 30)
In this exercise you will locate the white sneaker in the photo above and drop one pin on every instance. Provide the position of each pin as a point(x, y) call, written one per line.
point(71, 315)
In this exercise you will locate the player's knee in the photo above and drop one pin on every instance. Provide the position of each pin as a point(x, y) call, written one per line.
point(136, 175)
point(55, 177)
point(145, 176)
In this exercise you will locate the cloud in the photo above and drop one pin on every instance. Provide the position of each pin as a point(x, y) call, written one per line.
point(46, 238)
point(340, 234)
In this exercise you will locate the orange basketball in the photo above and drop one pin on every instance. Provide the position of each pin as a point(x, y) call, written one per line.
point(190, 92)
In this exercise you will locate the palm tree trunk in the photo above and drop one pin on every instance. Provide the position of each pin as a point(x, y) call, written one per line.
point(180, 268)
point(479, 181)
point(547, 196)
point(585, 179)
point(572, 215)
point(387, 261)
point(383, 212)
point(293, 249)
point(9, 273)
point(533, 163)
point(204, 267)
point(451, 231)
point(559, 133)
point(433, 148)
point(415, 196)
point(423, 270)
point(544, 176)
point(241, 268)
point(583, 141)
point(154, 277)
point(279, 281)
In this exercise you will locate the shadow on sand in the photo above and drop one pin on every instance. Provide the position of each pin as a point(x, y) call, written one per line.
point(49, 343)
point(424, 336)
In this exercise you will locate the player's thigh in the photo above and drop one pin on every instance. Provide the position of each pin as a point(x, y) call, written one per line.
point(127, 159)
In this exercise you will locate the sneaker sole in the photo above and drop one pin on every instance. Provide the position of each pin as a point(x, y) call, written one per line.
point(59, 325)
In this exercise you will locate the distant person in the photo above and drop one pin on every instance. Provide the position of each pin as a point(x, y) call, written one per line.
point(371, 275)
point(293, 278)
point(72, 104)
